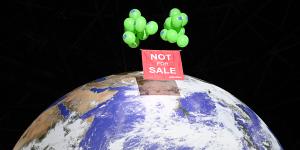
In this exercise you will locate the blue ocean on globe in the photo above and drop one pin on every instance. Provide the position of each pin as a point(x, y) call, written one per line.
point(126, 112)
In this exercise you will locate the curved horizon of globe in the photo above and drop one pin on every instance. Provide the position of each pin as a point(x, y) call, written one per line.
point(114, 115)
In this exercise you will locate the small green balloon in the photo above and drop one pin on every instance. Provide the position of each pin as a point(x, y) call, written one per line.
point(140, 24)
point(177, 29)
point(151, 27)
point(172, 36)
point(185, 19)
point(129, 37)
point(134, 13)
point(182, 41)
point(167, 24)
point(174, 11)
point(135, 44)
point(181, 31)
point(142, 35)
point(129, 24)
point(163, 34)
point(176, 21)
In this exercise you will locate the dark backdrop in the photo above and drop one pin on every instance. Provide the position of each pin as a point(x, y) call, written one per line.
point(247, 47)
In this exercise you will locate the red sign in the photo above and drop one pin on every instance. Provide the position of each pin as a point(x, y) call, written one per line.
point(162, 64)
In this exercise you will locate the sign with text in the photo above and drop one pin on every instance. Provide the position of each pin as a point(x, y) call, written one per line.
point(162, 65)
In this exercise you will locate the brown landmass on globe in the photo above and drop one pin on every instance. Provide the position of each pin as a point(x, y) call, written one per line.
point(79, 100)
point(114, 81)
point(39, 126)
point(82, 100)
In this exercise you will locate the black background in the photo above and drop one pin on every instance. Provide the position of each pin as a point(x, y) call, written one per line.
point(247, 47)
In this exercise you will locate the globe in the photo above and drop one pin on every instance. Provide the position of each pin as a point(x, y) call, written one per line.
point(125, 111)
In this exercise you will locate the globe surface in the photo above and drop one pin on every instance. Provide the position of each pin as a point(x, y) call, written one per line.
point(126, 112)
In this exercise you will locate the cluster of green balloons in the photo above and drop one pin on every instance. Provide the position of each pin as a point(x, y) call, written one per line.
point(174, 28)
point(136, 28)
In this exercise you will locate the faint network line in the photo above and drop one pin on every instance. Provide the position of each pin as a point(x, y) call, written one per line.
point(286, 13)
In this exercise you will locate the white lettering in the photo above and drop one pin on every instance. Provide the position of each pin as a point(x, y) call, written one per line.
point(159, 70)
point(160, 56)
point(162, 70)
point(153, 56)
point(152, 69)
point(172, 70)
point(160, 63)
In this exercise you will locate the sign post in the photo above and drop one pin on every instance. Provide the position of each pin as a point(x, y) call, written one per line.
point(162, 65)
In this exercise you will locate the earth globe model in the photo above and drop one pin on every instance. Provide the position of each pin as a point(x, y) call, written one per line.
point(127, 112)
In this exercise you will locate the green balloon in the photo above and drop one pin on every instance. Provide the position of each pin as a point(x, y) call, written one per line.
point(140, 24)
point(151, 27)
point(181, 31)
point(135, 44)
point(129, 37)
point(167, 24)
point(182, 41)
point(185, 19)
point(172, 36)
point(163, 34)
point(134, 13)
point(177, 29)
point(129, 24)
point(176, 21)
point(174, 11)
point(142, 35)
